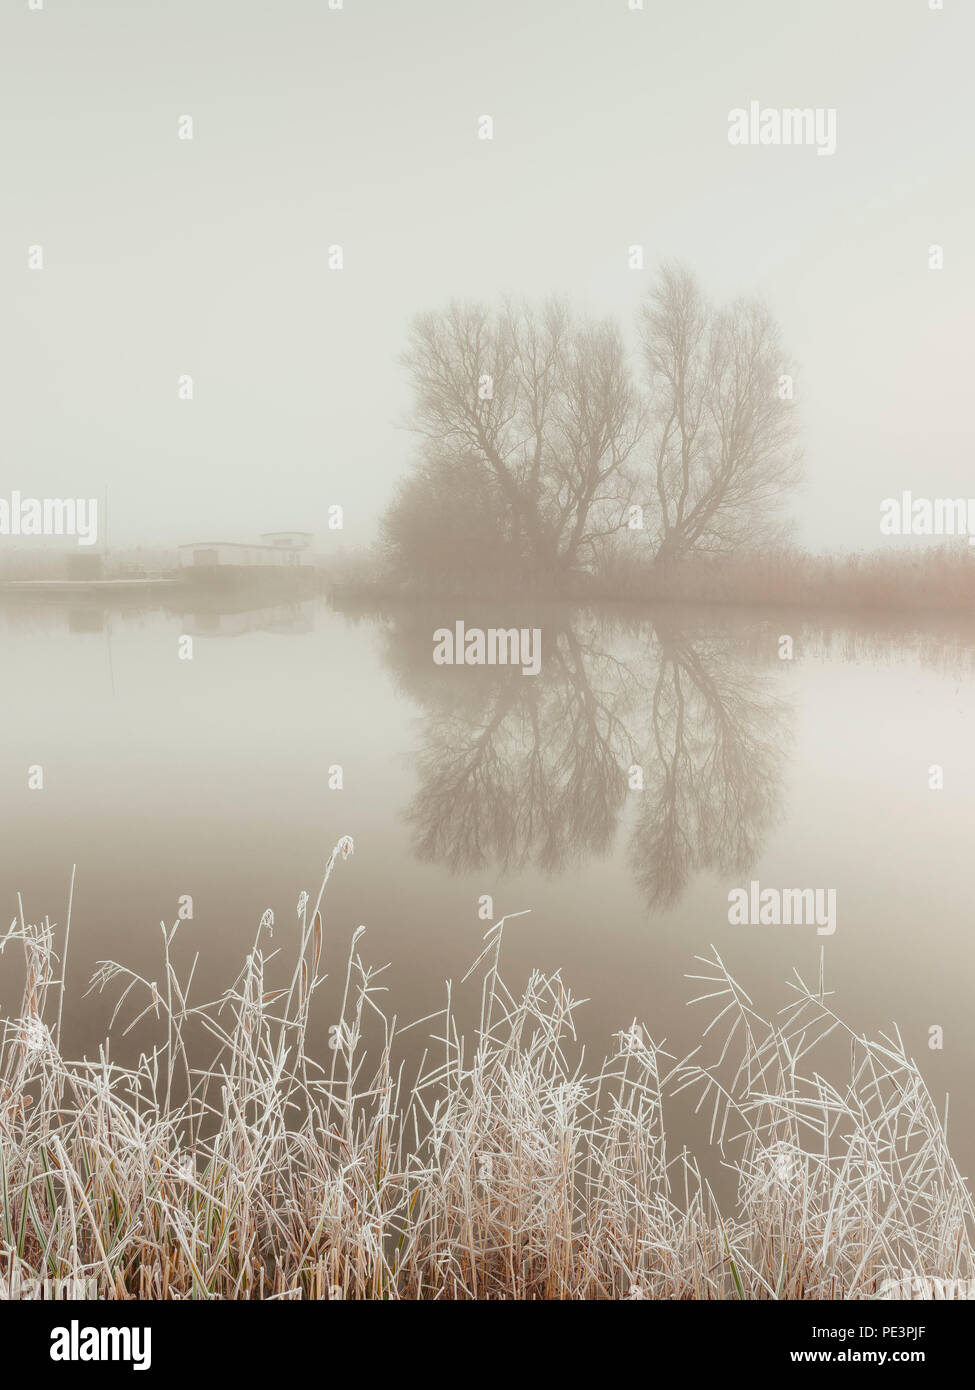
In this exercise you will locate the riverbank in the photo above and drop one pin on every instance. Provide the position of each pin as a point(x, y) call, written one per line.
point(928, 581)
point(506, 1170)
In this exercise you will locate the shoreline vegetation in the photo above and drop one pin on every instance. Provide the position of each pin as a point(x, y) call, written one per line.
point(505, 1170)
point(564, 457)
point(937, 580)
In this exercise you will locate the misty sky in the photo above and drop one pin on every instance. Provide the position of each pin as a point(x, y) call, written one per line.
point(359, 127)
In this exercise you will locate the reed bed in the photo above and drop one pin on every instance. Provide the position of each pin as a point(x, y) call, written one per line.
point(502, 1170)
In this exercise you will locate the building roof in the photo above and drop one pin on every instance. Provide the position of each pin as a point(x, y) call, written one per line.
point(237, 545)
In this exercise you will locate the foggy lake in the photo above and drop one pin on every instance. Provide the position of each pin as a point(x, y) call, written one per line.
point(211, 778)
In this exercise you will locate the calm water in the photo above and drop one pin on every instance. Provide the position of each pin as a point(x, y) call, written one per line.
point(210, 777)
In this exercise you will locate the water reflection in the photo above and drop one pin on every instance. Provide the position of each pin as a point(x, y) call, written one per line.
point(200, 614)
point(287, 619)
point(513, 772)
point(712, 772)
point(516, 771)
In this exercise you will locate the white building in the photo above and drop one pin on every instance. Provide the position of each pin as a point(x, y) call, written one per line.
point(276, 548)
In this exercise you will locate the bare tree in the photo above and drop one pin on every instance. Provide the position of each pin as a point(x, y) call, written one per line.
point(541, 406)
point(722, 438)
point(450, 531)
point(532, 424)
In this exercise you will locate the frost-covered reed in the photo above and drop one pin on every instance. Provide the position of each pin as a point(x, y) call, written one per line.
point(502, 1170)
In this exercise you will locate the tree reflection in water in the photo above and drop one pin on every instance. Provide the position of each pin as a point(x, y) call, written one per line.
point(517, 771)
